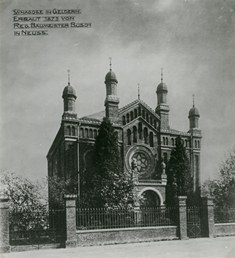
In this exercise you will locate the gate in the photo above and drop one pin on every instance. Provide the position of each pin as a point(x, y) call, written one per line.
point(53, 231)
point(194, 222)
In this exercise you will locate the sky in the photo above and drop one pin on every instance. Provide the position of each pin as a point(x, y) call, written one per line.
point(193, 40)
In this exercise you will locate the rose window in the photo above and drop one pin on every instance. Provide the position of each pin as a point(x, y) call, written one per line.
point(142, 161)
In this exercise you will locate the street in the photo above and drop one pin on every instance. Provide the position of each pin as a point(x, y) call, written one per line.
point(223, 247)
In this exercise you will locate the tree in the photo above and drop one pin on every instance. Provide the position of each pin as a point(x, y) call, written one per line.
point(179, 179)
point(28, 207)
point(223, 188)
point(108, 185)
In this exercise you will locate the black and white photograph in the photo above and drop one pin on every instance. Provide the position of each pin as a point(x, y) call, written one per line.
point(117, 128)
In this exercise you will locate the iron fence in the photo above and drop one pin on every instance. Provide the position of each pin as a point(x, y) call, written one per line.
point(224, 215)
point(101, 218)
point(51, 230)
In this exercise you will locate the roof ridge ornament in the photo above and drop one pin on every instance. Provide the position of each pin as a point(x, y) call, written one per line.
point(138, 91)
point(193, 100)
point(161, 75)
point(110, 63)
point(68, 76)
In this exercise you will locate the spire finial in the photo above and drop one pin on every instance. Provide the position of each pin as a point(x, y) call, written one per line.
point(110, 63)
point(161, 74)
point(138, 91)
point(193, 99)
point(68, 76)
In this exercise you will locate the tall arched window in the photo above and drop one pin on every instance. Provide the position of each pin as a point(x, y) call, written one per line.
point(195, 143)
point(129, 137)
point(127, 118)
point(91, 133)
point(81, 132)
point(123, 120)
point(95, 133)
point(68, 130)
point(145, 135)
point(147, 117)
point(134, 134)
point(86, 133)
point(132, 115)
point(139, 111)
point(140, 130)
point(166, 141)
point(198, 144)
point(172, 142)
point(151, 120)
point(155, 124)
point(143, 113)
point(151, 139)
point(135, 113)
point(73, 131)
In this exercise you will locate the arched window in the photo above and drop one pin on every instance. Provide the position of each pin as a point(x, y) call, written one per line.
point(86, 133)
point(140, 130)
point(90, 133)
point(134, 134)
point(145, 135)
point(73, 131)
point(123, 120)
point(151, 120)
point(151, 139)
point(139, 111)
point(127, 118)
point(135, 113)
point(172, 142)
point(81, 132)
point(166, 141)
point(129, 137)
point(198, 144)
point(195, 143)
point(132, 115)
point(68, 130)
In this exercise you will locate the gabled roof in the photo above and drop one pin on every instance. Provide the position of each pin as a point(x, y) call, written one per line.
point(135, 103)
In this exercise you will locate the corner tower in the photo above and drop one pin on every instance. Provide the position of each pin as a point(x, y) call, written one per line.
point(69, 97)
point(111, 101)
point(193, 117)
point(162, 108)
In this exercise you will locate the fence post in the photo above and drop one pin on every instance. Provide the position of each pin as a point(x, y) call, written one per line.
point(182, 219)
point(70, 204)
point(208, 216)
point(4, 225)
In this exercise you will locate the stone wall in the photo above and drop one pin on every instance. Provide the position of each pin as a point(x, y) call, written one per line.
point(125, 235)
point(224, 229)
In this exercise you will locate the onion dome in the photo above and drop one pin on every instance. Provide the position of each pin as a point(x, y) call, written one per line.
point(162, 87)
point(69, 91)
point(193, 112)
point(111, 76)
